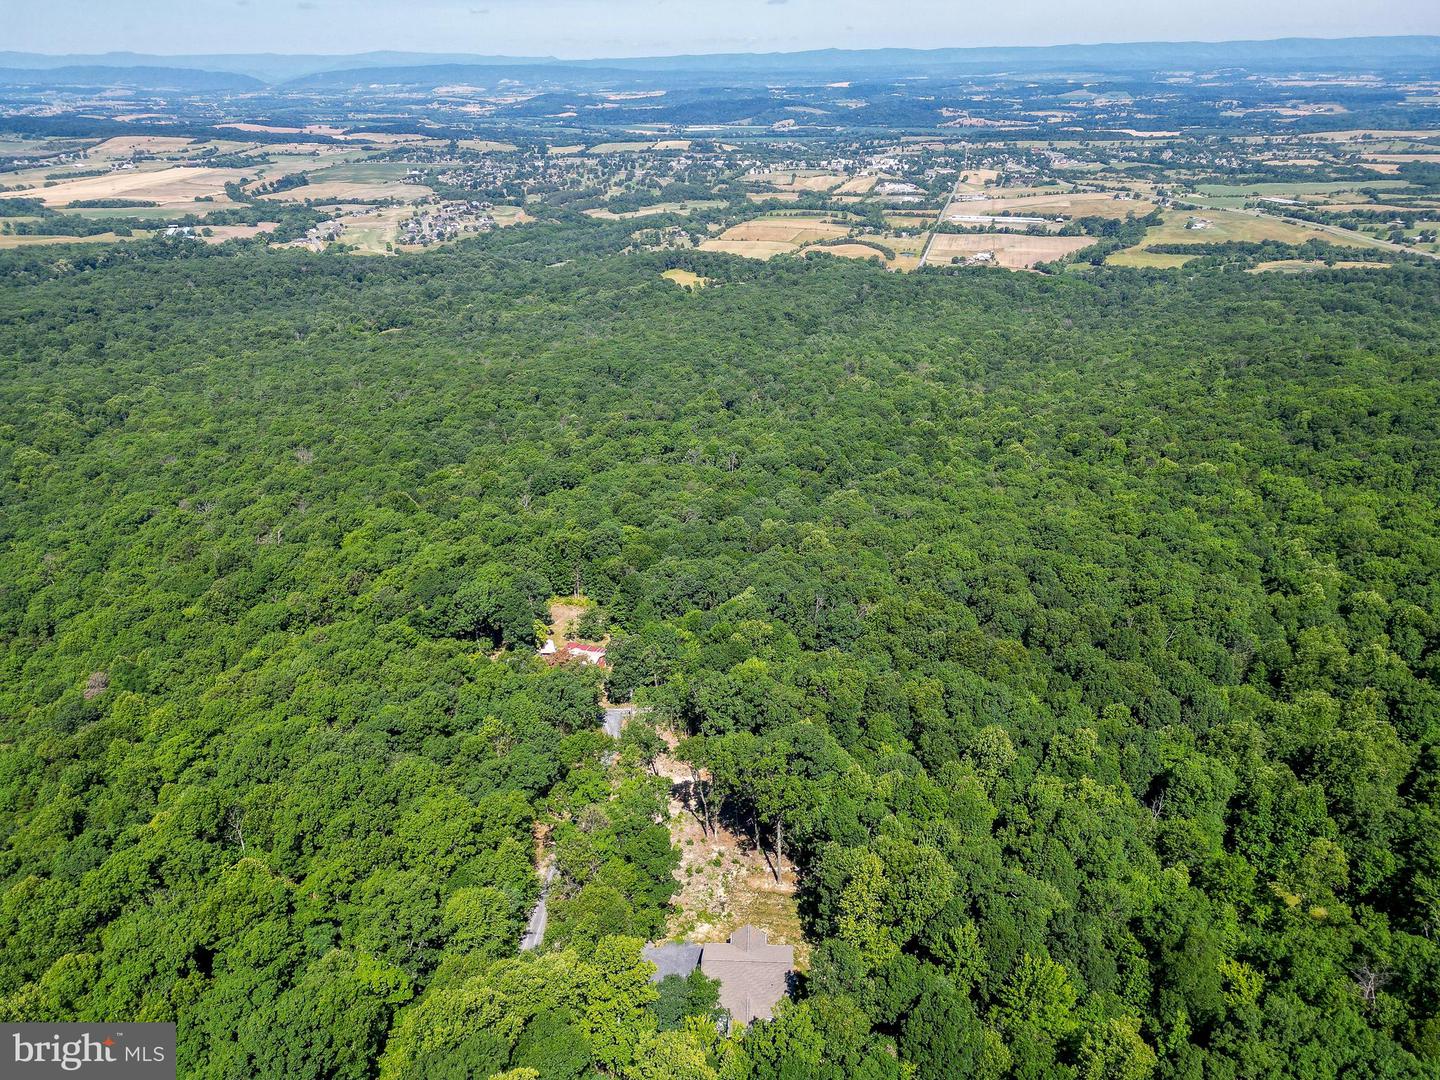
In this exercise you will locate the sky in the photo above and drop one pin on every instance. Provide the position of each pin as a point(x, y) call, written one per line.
point(598, 28)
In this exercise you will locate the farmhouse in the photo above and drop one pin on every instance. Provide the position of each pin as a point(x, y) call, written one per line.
point(572, 650)
point(753, 974)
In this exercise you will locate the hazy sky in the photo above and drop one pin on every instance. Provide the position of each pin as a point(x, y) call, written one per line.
point(579, 28)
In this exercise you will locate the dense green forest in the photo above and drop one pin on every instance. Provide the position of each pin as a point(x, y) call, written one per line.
point(1075, 635)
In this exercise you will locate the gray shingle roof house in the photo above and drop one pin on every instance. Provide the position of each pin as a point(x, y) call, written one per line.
point(753, 974)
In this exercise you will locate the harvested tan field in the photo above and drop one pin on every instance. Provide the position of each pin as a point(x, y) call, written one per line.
point(672, 144)
point(848, 251)
point(975, 179)
point(1402, 158)
point(1013, 251)
point(218, 234)
point(784, 230)
point(750, 249)
point(486, 146)
point(123, 146)
point(686, 279)
point(308, 129)
point(342, 190)
point(683, 209)
point(174, 186)
point(618, 148)
point(1388, 168)
point(386, 138)
point(1082, 204)
point(857, 185)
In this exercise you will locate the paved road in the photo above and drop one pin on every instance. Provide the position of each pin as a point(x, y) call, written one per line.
point(534, 935)
point(925, 254)
point(535, 930)
point(615, 719)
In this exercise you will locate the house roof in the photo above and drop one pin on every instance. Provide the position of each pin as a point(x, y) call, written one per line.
point(672, 958)
point(753, 974)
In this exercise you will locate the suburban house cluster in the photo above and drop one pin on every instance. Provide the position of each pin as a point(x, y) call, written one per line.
point(753, 974)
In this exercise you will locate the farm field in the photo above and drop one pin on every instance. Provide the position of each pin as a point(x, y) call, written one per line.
point(686, 279)
point(1298, 266)
point(1295, 189)
point(10, 241)
point(862, 251)
point(1227, 225)
point(764, 238)
point(801, 181)
point(343, 189)
point(1070, 205)
point(218, 234)
point(684, 208)
point(1149, 260)
point(175, 186)
point(362, 172)
point(159, 213)
point(123, 146)
point(1014, 251)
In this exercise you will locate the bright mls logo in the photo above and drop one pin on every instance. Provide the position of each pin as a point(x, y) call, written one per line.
point(115, 1051)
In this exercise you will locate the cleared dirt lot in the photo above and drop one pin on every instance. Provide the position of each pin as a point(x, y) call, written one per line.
point(1013, 251)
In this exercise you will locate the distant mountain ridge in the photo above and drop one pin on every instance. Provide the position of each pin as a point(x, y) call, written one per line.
point(158, 78)
point(315, 70)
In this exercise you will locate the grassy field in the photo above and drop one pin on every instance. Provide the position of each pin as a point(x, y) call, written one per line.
point(9, 242)
point(125, 145)
point(145, 213)
point(1228, 225)
point(1292, 190)
point(342, 191)
point(1138, 257)
point(1300, 266)
point(362, 172)
point(486, 146)
point(801, 181)
point(619, 148)
point(370, 233)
